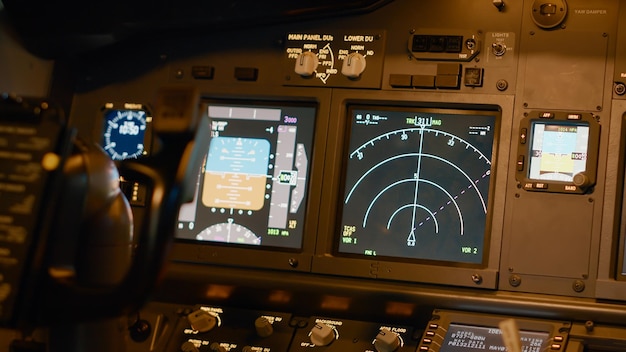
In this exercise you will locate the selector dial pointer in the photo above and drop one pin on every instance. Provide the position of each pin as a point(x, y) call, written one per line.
point(306, 64)
point(322, 335)
point(353, 65)
point(386, 341)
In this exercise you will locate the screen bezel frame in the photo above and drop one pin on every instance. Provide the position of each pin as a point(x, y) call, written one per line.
point(326, 262)
point(293, 259)
point(421, 109)
point(443, 318)
point(525, 141)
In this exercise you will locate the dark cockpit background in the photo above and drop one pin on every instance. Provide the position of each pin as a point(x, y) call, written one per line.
point(393, 175)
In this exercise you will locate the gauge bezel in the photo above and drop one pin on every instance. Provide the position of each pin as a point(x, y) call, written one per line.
point(525, 145)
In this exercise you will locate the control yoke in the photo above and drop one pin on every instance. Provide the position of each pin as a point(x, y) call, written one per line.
point(66, 242)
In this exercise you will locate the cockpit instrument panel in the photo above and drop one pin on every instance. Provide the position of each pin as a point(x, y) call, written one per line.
point(417, 184)
point(558, 152)
point(252, 189)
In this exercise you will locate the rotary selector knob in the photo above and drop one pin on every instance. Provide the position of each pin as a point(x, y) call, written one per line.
point(353, 65)
point(201, 320)
point(188, 346)
point(581, 180)
point(386, 341)
point(216, 347)
point(306, 64)
point(322, 334)
point(263, 327)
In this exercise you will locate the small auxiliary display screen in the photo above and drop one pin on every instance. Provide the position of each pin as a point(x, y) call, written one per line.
point(558, 150)
point(253, 186)
point(417, 184)
point(467, 338)
point(127, 132)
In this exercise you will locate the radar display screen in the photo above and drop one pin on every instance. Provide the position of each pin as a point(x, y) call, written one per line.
point(558, 151)
point(252, 188)
point(464, 338)
point(417, 184)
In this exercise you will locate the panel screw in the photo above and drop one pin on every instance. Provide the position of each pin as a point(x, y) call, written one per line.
point(293, 262)
point(477, 279)
point(502, 85)
point(578, 286)
point(515, 280)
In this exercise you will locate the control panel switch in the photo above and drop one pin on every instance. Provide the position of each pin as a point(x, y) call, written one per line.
point(322, 335)
point(386, 341)
point(201, 320)
point(306, 64)
point(188, 346)
point(353, 65)
point(498, 49)
point(581, 180)
point(263, 327)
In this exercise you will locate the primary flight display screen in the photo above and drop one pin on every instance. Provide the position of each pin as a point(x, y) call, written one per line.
point(558, 151)
point(417, 183)
point(253, 186)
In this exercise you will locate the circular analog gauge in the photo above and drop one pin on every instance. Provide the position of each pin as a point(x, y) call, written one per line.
point(229, 232)
point(126, 133)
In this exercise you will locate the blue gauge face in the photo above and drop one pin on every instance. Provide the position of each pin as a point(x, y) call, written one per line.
point(125, 133)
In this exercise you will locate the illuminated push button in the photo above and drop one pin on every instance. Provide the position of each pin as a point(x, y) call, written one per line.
point(353, 65)
point(263, 327)
point(523, 135)
point(520, 163)
point(555, 346)
point(306, 64)
point(386, 341)
point(201, 320)
point(540, 185)
point(546, 115)
point(558, 339)
point(322, 335)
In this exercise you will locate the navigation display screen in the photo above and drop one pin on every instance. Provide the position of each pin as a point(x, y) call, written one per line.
point(467, 338)
point(558, 151)
point(417, 183)
point(252, 188)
